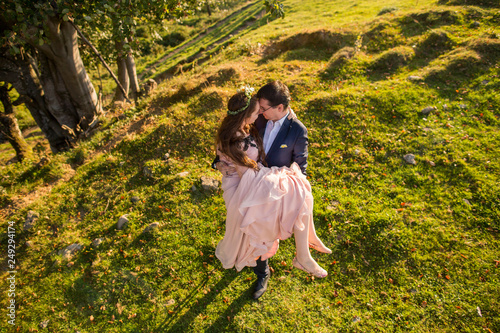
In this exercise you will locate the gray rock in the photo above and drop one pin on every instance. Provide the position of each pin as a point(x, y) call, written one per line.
point(166, 157)
point(209, 184)
point(415, 78)
point(476, 24)
point(485, 82)
point(151, 227)
point(183, 174)
point(70, 251)
point(427, 110)
point(96, 242)
point(147, 172)
point(462, 106)
point(44, 323)
point(135, 199)
point(31, 219)
point(410, 159)
point(29, 244)
point(432, 164)
point(356, 152)
point(122, 222)
point(150, 85)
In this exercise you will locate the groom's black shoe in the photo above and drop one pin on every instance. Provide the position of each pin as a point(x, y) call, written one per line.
point(261, 286)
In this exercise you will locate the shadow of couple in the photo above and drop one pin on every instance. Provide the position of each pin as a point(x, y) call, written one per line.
point(180, 320)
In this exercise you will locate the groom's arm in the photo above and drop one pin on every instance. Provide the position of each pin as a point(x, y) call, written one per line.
point(300, 149)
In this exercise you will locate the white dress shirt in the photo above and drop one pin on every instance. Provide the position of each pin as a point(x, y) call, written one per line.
point(272, 129)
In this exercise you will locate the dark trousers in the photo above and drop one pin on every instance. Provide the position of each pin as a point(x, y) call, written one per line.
point(262, 268)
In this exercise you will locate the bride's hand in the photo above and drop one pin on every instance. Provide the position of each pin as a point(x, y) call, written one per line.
point(292, 115)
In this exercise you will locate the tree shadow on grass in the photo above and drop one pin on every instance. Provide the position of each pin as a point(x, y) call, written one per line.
point(173, 324)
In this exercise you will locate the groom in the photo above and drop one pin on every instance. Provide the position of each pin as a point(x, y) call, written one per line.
point(285, 142)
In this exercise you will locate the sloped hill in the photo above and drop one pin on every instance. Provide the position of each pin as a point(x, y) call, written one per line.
point(402, 110)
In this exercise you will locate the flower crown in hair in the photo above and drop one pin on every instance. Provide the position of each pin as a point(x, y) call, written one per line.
point(248, 93)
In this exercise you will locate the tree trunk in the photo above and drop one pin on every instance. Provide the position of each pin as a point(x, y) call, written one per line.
point(10, 128)
point(68, 74)
point(24, 76)
point(62, 100)
point(132, 75)
point(123, 76)
point(208, 8)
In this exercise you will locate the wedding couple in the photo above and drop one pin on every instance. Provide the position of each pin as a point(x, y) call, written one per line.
point(262, 154)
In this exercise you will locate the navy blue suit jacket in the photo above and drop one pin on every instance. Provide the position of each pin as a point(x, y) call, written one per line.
point(289, 146)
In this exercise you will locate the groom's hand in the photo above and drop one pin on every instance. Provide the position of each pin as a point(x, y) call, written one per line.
point(224, 168)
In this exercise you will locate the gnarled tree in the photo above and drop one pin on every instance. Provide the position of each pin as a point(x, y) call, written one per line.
point(43, 63)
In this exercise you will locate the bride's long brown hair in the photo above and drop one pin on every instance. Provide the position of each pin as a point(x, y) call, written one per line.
point(229, 136)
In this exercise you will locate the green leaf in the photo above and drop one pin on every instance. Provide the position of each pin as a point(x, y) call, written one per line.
point(40, 41)
point(65, 11)
point(65, 18)
point(88, 18)
point(19, 9)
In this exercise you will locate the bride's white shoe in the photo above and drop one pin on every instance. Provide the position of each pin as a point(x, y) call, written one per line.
point(320, 248)
point(318, 272)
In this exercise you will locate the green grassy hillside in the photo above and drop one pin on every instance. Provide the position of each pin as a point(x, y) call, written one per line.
point(415, 246)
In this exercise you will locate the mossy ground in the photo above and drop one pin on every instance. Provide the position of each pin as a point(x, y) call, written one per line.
point(415, 247)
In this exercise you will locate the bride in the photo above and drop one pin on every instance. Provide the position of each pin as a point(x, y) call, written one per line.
point(264, 205)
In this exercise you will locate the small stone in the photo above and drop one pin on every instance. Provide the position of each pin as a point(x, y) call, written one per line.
point(31, 219)
point(432, 164)
point(135, 199)
point(122, 163)
point(485, 82)
point(122, 222)
point(183, 174)
point(427, 110)
point(467, 202)
point(96, 242)
point(209, 184)
point(44, 323)
point(356, 152)
point(445, 106)
point(415, 78)
point(70, 264)
point(410, 159)
point(29, 244)
point(147, 172)
point(462, 106)
point(70, 251)
point(476, 24)
point(166, 157)
point(194, 189)
point(356, 319)
point(413, 291)
point(151, 227)
point(170, 302)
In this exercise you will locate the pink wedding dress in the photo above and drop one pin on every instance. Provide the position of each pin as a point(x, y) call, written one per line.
point(262, 207)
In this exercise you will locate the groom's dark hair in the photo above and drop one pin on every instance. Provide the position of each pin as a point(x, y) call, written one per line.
point(276, 93)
